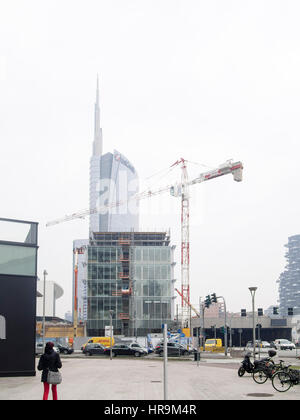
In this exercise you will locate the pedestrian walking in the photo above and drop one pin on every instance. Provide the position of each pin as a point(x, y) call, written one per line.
point(49, 362)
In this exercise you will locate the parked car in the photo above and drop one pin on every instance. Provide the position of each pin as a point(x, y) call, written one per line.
point(124, 350)
point(105, 341)
point(39, 348)
point(138, 346)
point(64, 349)
point(283, 344)
point(93, 348)
point(174, 349)
point(259, 343)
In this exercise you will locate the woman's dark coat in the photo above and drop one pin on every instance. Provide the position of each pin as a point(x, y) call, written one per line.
point(48, 361)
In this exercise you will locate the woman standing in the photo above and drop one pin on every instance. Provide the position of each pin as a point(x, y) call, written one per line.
point(50, 360)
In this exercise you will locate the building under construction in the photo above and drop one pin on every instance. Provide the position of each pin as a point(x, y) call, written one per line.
point(132, 274)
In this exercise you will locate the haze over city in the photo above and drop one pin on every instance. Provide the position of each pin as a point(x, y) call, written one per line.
point(206, 81)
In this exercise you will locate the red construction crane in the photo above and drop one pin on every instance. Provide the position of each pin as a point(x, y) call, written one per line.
point(177, 190)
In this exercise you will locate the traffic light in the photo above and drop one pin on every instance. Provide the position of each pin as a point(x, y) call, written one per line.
point(275, 310)
point(260, 311)
point(207, 301)
point(214, 298)
point(243, 312)
point(290, 311)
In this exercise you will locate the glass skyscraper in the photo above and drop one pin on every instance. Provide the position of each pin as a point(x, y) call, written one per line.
point(113, 179)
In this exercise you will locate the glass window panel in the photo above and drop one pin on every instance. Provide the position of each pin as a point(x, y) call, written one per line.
point(113, 255)
point(157, 272)
point(151, 272)
point(100, 255)
point(151, 254)
point(145, 288)
point(93, 308)
point(138, 272)
point(94, 254)
point(100, 308)
point(13, 231)
point(94, 289)
point(158, 288)
point(138, 254)
point(107, 255)
point(157, 254)
point(145, 272)
point(100, 272)
point(17, 260)
point(151, 288)
point(94, 272)
point(164, 254)
point(89, 291)
point(100, 289)
point(157, 307)
point(139, 289)
point(106, 289)
point(164, 310)
point(106, 273)
point(145, 254)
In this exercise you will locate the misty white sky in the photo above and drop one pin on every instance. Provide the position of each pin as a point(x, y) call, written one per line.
point(203, 80)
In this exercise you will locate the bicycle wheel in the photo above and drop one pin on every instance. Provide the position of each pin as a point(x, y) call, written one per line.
point(281, 381)
point(259, 376)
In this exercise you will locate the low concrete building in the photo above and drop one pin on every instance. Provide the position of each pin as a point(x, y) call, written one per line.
point(240, 329)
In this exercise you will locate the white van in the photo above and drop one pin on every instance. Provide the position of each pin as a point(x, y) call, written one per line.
point(283, 344)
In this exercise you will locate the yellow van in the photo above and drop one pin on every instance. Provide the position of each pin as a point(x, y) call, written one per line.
point(105, 341)
point(213, 344)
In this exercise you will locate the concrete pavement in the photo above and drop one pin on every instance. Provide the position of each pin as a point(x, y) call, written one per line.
point(100, 378)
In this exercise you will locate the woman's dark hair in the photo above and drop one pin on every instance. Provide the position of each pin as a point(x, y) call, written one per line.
point(49, 347)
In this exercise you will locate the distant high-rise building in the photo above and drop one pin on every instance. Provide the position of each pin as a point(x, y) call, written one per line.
point(289, 280)
point(113, 179)
point(95, 163)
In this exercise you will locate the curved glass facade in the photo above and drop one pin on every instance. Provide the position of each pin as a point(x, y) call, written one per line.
point(113, 180)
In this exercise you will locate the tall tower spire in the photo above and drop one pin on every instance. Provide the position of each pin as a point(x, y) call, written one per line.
point(98, 142)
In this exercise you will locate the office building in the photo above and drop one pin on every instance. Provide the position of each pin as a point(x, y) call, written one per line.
point(289, 280)
point(113, 179)
point(133, 275)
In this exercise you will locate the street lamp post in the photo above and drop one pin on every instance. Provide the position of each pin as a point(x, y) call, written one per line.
point(252, 291)
point(110, 314)
point(44, 304)
point(165, 362)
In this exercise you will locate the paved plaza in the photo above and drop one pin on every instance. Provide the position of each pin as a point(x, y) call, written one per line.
point(99, 378)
